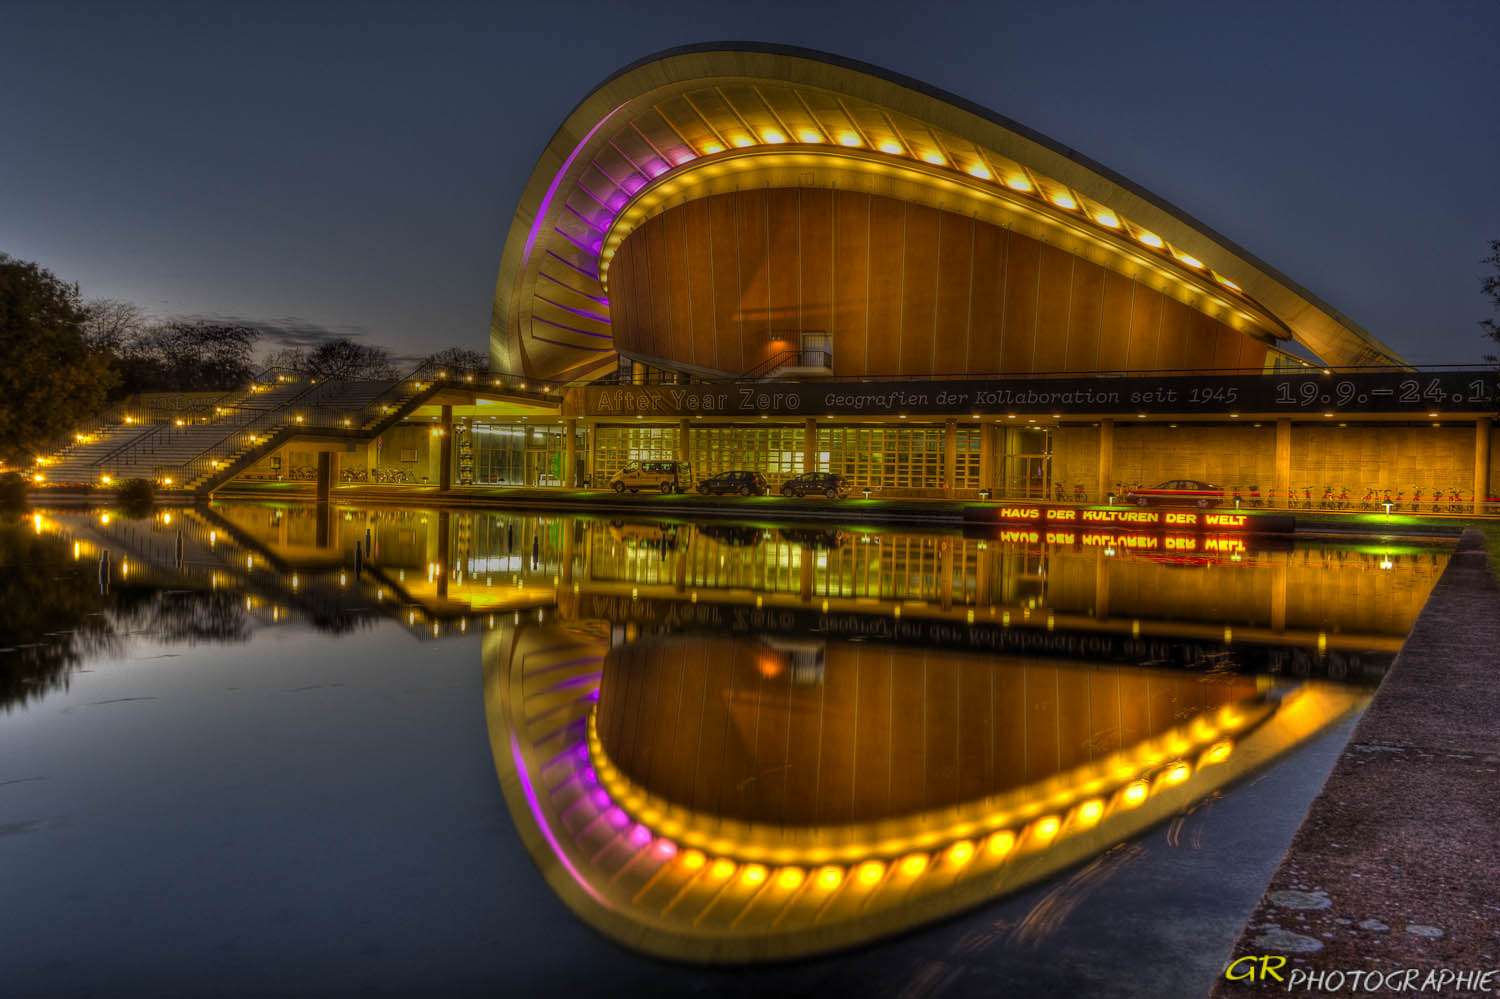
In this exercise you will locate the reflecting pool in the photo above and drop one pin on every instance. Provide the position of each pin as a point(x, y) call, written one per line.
point(255, 748)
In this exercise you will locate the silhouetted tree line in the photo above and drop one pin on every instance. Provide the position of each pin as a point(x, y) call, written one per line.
point(66, 359)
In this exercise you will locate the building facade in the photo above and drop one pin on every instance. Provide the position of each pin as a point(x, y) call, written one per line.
point(768, 258)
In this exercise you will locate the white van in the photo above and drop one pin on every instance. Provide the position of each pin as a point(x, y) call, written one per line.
point(665, 476)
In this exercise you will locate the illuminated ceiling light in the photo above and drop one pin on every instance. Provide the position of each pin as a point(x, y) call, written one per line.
point(870, 872)
point(934, 157)
point(1090, 811)
point(1108, 219)
point(790, 878)
point(1018, 183)
point(709, 148)
point(722, 869)
point(693, 859)
point(1190, 260)
point(1134, 793)
point(979, 170)
point(1178, 773)
point(849, 139)
point(1150, 239)
point(891, 146)
point(772, 136)
point(1046, 828)
point(809, 135)
point(830, 878)
point(1064, 200)
point(753, 874)
point(740, 141)
point(1228, 283)
point(960, 853)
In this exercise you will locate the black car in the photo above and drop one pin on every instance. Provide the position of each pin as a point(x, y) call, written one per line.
point(1178, 492)
point(744, 483)
point(816, 484)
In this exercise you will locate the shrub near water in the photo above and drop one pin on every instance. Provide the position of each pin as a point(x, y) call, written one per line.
point(135, 496)
point(12, 491)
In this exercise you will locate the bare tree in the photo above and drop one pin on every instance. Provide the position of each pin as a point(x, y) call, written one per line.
point(1490, 285)
point(111, 323)
point(343, 358)
point(460, 359)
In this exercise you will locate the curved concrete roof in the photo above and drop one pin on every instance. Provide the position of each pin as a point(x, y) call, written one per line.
point(694, 121)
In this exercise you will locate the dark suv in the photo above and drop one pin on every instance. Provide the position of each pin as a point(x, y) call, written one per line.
point(744, 483)
point(816, 483)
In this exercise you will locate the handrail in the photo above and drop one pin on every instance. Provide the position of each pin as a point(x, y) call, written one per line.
point(772, 363)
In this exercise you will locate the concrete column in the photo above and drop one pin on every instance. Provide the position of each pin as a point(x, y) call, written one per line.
point(1278, 497)
point(950, 454)
point(325, 475)
point(445, 450)
point(445, 520)
point(1101, 584)
point(984, 566)
point(986, 457)
point(945, 572)
point(682, 441)
point(1278, 594)
point(570, 453)
point(1106, 459)
point(809, 445)
point(1481, 464)
point(588, 452)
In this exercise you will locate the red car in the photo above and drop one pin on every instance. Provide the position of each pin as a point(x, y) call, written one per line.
point(1178, 492)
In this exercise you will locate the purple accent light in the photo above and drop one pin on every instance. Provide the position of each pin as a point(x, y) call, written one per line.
point(582, 314)
point(617, 817)
point(571, 329)
point(541, 212)
point(685, 156)
point(541, 821)
point(656, 168)
point(634, 183)
point(592, 298)
point(640, 835)
point(599, 797)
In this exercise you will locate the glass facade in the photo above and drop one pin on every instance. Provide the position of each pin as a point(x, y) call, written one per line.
point(506, 454)
point(616, 447)
point(775, 452)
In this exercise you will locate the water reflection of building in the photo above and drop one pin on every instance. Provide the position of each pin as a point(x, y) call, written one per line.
point(452, 563)
point(695, 798)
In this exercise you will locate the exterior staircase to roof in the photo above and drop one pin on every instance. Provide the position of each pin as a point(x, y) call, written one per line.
point(201, 447)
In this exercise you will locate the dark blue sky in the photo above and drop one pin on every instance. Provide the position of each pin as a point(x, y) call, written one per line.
point(354, 167)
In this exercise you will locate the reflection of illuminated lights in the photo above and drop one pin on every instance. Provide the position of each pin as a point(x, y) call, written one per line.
point(721, 869)
point(1218, 752)
point(830, 878)
point(960, 853)
point(752, 875)
point(790, 878)
point(693, 859)
point(1045, 829)
point(1134, 793)
point(913, 865)
point(1176, 773)
point(1090, 812)
point(1000, 843)
point(869, 873)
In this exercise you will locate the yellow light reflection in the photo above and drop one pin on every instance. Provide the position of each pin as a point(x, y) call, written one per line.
point(870, 872)
point(790, 878)
point(830, 878)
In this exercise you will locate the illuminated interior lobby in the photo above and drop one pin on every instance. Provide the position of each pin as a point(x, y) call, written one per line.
point(760, 257)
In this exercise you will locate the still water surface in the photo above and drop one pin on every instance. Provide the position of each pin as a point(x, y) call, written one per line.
point(514, 743)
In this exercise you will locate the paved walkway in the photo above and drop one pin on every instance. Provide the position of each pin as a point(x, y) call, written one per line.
point(1395, 865)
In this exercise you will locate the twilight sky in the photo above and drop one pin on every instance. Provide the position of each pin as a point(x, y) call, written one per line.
point(353, 168)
